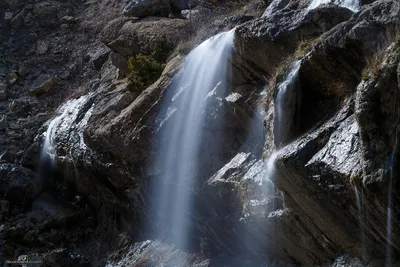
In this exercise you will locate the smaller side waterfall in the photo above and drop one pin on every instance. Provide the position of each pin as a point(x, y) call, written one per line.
point(281, 122)
point(67, 114)
point(389, 208)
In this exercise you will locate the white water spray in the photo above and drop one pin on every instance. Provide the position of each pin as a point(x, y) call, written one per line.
point(353, 5)
point(177, 161)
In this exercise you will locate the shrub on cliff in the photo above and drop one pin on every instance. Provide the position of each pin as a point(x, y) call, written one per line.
point(144, 70)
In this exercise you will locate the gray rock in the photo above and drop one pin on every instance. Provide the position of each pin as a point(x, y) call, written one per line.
point(120, 63)
point(42, 84)
point(23, 70)
point(8, 16)
point(145, 8)
point(198, 13)
point(42, 46)
point(68, 20)
point(99, 57)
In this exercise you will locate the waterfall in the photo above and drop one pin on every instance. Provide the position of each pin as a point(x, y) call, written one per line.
point(361, 223)
point(179, 135)
point(280, 122)
point(67, 115)
point(353, 5)
point(389, 208)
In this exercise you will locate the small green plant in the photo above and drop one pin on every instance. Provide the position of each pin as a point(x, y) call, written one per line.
point(397, 40)
point(144, 70)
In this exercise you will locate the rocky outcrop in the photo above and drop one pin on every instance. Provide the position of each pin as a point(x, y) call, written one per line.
point(338, 59)
point(129, 37)
point(377, 114)
point(42, 84)
point(266, 41)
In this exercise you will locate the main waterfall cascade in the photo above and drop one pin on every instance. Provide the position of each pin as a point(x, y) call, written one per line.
point(179, 135)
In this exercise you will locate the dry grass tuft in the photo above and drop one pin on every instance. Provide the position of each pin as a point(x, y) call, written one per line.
point(373, 68)
point(338, 88)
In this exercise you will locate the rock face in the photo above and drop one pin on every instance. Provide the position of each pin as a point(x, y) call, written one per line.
point(299, 190)
point(266, 41)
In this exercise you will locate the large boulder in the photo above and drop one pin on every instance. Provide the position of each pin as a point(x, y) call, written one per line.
point(145, 8)
point(130, 37)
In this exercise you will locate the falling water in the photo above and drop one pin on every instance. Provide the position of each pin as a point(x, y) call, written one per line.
point(360, 222)
point(280, 122)
point(68, 113)
point(203, 73)
point(389, 208)
point(353, 5)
